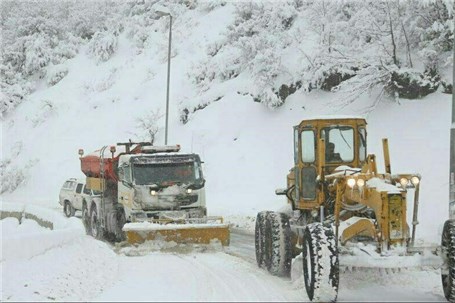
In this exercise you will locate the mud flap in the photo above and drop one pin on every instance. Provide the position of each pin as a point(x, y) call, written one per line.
point(137, 233)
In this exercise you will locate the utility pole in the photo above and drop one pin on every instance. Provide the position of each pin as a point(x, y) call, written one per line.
point(165, 12)
point(452, 153)
point(168, 76)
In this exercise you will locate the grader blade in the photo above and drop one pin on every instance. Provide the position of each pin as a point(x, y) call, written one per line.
point(427, 259)
point(137, 233)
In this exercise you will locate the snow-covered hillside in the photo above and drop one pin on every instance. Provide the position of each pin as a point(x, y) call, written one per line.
point(246, 145)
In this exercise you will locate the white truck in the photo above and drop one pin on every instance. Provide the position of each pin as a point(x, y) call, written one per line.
point(149, 184)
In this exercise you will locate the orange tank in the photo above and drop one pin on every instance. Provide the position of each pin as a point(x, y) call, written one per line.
point(91, 167)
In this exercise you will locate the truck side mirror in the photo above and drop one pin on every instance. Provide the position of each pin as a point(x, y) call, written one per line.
point(121, 176)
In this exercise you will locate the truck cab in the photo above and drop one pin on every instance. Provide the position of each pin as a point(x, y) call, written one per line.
point(141, 182)
point(161, 186)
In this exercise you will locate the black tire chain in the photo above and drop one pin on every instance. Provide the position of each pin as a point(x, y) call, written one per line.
point(448, 243)
point(278, 227)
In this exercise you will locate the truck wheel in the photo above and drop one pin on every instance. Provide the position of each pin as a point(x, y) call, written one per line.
point(259, 237)
point(68, 209)
point(448, 250)
point(121, 221)
point(86, 218)
point(95, 225)
point(277, 244)
point(320, 263)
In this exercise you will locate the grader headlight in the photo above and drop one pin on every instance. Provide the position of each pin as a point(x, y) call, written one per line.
point(351, 182)
point(404, 182)
point(415, 180)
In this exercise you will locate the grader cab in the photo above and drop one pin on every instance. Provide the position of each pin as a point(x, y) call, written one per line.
point(340, 202)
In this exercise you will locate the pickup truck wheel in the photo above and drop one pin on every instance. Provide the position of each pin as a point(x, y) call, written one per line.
point(95, 225)
point(68, 209)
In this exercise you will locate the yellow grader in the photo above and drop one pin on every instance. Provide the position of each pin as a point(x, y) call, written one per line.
point(345, 213)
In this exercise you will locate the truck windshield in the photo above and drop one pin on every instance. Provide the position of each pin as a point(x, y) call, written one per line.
point(164, 174)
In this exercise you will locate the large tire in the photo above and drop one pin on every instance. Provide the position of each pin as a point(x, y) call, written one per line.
point(320, 263)
point(277, 244)
point(86, 218)
point(96, 231)
point(448, 248)
point(259, 237)
point(121, 221)
point(68, 209)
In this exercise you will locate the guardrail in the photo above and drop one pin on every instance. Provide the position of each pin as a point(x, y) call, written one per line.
point(60, 231)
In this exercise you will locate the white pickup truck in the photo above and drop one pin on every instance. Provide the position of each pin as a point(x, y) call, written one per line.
point(73, 194)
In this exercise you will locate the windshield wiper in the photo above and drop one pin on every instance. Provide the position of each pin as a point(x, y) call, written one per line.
point(344, 139)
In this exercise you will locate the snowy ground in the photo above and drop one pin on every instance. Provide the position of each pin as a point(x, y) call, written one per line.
point(90, 270)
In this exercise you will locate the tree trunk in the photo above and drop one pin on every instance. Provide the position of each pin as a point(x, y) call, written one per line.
point(394, 47)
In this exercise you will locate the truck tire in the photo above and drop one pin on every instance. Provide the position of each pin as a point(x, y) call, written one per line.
point(320, 263)
point(96, 231)
point(259, 237)
point(277, 244)
point(448, 250)
point(68, 209)
point(86, 218)
point(121, 221)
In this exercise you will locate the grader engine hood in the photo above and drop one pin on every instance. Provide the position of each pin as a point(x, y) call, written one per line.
point(386, 195)
point(167, 198)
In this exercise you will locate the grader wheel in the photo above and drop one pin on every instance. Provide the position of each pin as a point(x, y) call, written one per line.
point(277, 244)
point(448, 248)
point(320, 263)
point(259, 237)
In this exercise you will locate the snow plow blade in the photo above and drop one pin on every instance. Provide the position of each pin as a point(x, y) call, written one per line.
point(188, 233)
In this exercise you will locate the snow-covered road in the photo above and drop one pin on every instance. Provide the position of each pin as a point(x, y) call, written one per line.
point(360, 285)
point(195, 277)
point(90, 270)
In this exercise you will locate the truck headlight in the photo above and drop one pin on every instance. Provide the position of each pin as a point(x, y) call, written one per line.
point(404, 182)
point(153, 192)
point(360, 183)
point(415, 180)
point(351, 182)
point(189, 191)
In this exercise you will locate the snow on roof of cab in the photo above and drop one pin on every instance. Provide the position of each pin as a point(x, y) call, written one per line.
point(332, 117)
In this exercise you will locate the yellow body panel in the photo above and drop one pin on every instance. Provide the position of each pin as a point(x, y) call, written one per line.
point(363, 227)
point(95, 183)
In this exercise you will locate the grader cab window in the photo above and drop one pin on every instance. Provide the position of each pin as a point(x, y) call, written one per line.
point(339, 143)
point(308, 146)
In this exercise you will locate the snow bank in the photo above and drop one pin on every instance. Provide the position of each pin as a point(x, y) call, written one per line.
point(55, 231)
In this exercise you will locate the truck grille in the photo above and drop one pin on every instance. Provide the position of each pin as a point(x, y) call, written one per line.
point(187, 200)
